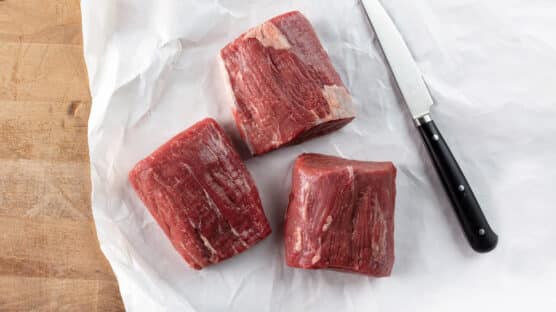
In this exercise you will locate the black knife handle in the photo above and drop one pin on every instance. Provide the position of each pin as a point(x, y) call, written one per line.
point(469, 213)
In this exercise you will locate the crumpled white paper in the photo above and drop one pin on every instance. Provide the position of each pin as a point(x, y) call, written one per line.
point(491, 68)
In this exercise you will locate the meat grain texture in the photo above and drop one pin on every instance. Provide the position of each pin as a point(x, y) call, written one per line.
point(199, 191)
point(282, 85)
point(341, 215)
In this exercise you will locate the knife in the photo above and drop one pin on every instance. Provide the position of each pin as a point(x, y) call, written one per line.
point(417, 97)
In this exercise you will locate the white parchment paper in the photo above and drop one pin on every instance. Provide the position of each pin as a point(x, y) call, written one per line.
point(491, 68)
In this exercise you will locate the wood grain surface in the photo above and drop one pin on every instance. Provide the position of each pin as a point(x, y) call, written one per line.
point(50, 258)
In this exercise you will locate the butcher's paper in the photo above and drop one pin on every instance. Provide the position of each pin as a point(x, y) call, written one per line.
point(491, 69)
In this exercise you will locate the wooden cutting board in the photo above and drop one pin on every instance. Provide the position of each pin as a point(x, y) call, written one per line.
point(50, 258)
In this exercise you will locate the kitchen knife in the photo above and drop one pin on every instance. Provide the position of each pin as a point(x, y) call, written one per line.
point(417, 97)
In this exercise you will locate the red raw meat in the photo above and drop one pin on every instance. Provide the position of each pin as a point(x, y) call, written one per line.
point(341, 215)
point(202, 196)
point(284, 87)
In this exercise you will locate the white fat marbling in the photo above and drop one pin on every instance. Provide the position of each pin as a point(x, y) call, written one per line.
point(340, 102)
point(327, 224)
point(207, 244)
point(297, 245)
point(269, 36)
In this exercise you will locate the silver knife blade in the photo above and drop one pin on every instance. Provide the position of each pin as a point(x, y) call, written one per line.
point(405, 70)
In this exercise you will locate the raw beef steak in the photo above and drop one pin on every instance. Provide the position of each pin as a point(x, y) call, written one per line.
point(341, 215)
point(202, 196)
point(283, 86)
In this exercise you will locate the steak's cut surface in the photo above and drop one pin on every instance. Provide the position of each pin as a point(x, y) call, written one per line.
point(282, 84)
point(202, 196)
point(341, 215)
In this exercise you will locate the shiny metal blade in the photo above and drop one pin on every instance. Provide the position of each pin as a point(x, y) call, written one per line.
point(407, 74)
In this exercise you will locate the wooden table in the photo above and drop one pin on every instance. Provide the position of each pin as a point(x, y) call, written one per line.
point(49, 254)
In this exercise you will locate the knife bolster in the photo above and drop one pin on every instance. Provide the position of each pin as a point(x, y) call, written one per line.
point(423, 119)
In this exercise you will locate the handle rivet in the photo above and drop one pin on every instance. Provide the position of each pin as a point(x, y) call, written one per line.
point(481, 232)
point(461, 188)
point(435, 137)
